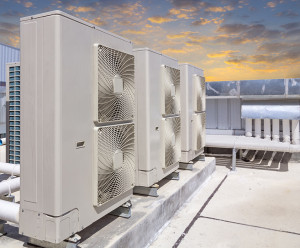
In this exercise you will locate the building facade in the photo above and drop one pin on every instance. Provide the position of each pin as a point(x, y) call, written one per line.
point(13, 113)
point(8, 54)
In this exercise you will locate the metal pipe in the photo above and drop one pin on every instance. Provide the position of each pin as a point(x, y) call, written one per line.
point(275, 131)
point(9, 211)
point(248, 127)
point(257, 128)
point(2, 141)
point(9, 186)
point(295, 132)
point(286, 131)
point(233, 165)
point(11, 169)
point(267, 129)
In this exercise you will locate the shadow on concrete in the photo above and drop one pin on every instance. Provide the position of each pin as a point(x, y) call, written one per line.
point(259, 160)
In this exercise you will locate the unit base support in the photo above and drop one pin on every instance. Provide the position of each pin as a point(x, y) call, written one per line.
point(201, 157)
point(2, 232)
point(173, 176)
point(186, 166)
point(123, 211)
point(149, 191)
point(71, 242)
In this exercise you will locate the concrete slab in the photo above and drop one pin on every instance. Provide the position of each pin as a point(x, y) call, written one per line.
point(263, 198)
point(149, 214)
point(169, 234)
point(212, 233)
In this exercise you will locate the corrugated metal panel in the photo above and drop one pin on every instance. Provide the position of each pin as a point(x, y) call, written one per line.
point(224, 114)
point(8, 54)
point(211, 114)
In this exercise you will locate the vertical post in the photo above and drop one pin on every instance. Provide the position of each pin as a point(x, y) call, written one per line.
point(286, 131)
point(248, 127)
point(233, 165)
point(295, 132)
point(275, 131)
point(267, 129)
point(257, 128)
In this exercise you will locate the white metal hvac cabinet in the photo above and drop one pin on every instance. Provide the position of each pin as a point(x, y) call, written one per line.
point(193, 108)
point(158, 123)
point(77, 146)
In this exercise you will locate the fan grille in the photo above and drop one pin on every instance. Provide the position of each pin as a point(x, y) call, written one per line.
point(112, 181)
point(199, 132)
point(172, 151)
point(200, 93)
point(171, 85)
point(112, 106)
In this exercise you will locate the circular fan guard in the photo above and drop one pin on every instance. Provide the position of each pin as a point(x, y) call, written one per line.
point(112, 183)
point(111, 106)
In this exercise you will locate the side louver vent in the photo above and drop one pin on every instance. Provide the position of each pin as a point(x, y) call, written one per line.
point(170, 90)
point(199, 93)
point(115, 161)
point(171, 141)
point(116, 88)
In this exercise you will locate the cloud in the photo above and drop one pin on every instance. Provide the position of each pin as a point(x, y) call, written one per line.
point(180, 35)
point(131, 31)
point(12, 14)
point(232, 28)
point(96, 21)
point(182, 13)
point(219, 9)
point(160, 19)
point(204, 21)
point(285, 55)
point(292, 32)
point(222, 54)
point(80, 9)
point(241, 33)
point(287, 13)
point(9, 26)
point(271, 4)
point(28, 4)
point(172, 50)
point(200, 22)
point(291, 25)
point(272, 47)
point(187, 3)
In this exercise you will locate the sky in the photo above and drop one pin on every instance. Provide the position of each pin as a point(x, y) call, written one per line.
point(228, 39)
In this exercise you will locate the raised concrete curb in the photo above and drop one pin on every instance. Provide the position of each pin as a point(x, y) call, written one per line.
point(149, 214)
